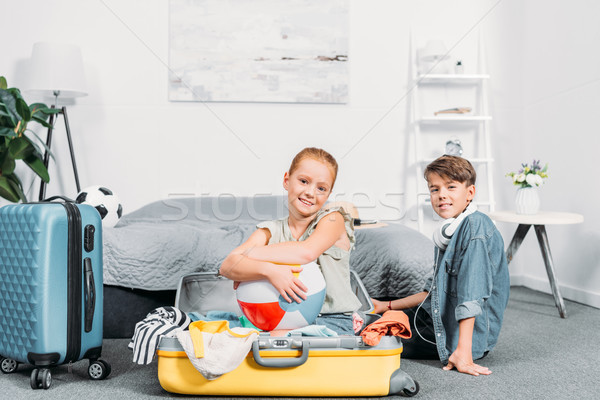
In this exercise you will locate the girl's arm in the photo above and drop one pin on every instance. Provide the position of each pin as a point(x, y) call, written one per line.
point(328, 231)
point(237, 266)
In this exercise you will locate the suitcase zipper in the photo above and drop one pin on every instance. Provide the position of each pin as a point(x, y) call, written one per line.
point(74, 278)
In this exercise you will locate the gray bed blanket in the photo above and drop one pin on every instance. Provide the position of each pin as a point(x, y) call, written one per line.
point(153, 247)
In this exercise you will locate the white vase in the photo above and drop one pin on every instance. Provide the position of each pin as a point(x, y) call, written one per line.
point(527, 200)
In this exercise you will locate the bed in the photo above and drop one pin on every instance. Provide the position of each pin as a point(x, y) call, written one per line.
point(150, 249)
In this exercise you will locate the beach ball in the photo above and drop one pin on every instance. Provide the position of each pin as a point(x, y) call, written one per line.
point(262, 304)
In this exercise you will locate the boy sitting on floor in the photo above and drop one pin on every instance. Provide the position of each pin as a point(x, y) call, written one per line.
point(459, 314)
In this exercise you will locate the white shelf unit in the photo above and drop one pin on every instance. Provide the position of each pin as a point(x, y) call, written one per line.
point(455, 118)
point(477, 122)
point(454, 78)
point(426, 161)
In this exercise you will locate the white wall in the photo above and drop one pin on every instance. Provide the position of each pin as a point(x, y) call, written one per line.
point(560, 98)
point(129, 137)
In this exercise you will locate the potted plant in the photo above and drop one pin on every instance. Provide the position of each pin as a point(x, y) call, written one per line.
point(15, 144)
point(528, 178)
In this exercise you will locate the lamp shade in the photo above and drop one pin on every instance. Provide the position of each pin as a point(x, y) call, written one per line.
point(434, 50)
point(56, 70)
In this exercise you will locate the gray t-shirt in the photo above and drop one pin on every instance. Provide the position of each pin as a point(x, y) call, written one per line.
point(334, 262)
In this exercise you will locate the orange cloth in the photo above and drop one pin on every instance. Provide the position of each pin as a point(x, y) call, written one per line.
point(392, 323)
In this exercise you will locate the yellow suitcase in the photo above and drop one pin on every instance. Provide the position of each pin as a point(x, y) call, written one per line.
point(295, 366)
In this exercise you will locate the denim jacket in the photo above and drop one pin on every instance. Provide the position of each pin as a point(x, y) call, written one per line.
point(470, 280)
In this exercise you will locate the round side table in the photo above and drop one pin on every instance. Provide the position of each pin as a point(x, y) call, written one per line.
point(539, 222)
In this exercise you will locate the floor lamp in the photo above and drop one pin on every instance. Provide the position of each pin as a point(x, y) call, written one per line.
point(57, 70)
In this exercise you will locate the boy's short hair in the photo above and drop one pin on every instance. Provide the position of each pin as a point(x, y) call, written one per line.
point(453, 167)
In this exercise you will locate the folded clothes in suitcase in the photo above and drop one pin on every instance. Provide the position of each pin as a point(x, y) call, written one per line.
point(284, 366)
point(50, 288)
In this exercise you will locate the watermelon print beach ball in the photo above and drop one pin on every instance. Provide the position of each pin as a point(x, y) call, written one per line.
point(262, 304)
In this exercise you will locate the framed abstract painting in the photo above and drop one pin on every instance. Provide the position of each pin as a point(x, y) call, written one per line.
point(293, 51)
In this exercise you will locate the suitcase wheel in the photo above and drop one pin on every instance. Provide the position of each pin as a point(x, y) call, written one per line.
point(40, 378)
point(401, 383)
point(7, 365)
point(98, 370)
point(411, 390)
point(107, 366)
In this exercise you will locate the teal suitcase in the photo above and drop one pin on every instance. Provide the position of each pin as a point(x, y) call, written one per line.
point(50, 288)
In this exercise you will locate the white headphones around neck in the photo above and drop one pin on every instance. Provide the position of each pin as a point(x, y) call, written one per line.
point(443, 235)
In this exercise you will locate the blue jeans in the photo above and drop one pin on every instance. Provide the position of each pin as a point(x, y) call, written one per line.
point(416, 347)
point(339, 323)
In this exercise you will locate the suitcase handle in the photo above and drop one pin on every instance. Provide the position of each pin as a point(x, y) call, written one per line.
point(280, 362)
point(58, 197)
point(90, 294)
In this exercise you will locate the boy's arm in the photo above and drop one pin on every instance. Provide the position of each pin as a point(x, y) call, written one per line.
point(474, 286)
point(462, 358)
point(328, 231)
point(399, 304)
point(238, 267)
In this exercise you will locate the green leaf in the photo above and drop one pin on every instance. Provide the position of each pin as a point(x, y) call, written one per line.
point(16, 184)
point(37, 166)
point(20, 147)
point(7, 191)
point(15, 112)
point(15, 178)
point(37, 107)
point(16, 93)
point(9, 105)
point(9, 132)
point(8, 166)
point(37, 149)
point(23, 110)
point(41, 121)
point(4, 117)
point(42, 111)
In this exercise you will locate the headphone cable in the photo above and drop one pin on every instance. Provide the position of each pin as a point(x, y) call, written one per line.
point(435, 269)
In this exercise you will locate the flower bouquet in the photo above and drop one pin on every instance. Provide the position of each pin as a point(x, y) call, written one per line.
point(529, 176)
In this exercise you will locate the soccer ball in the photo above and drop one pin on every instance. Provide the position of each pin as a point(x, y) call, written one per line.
point(262, 304)
point(105, 201)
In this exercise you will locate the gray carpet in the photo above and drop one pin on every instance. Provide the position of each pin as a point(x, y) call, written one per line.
point(539, 356)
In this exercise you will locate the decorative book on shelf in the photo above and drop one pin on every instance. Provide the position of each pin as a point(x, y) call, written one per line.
point(456, 110)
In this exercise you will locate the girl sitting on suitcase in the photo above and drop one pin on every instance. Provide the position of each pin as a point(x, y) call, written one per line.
point(308, 233)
